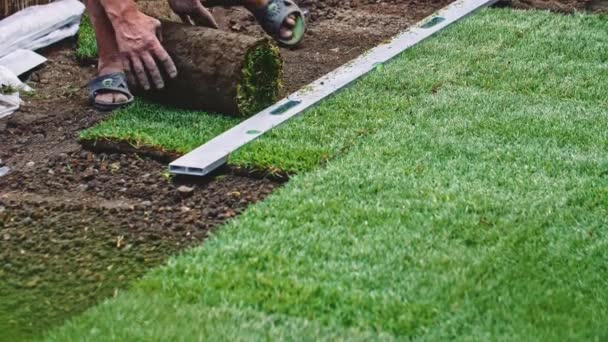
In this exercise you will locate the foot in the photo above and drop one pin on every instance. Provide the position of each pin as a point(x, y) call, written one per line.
point(109, 97)
point(289, 23)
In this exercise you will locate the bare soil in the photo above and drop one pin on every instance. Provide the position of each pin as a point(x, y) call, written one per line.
point(77, 226)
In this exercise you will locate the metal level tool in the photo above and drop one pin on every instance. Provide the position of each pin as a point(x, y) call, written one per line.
point(208, 157)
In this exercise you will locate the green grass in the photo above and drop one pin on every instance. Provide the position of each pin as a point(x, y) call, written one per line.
point(475, 207)
point(150, 125)
point(86, 48)
point(261, 79)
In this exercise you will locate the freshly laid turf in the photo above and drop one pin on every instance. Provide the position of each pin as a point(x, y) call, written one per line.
point(86, 48)
point(475, 208)
point(165, 128)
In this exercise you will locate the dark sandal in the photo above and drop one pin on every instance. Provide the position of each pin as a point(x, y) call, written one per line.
point(116, 83)
point(272, 16)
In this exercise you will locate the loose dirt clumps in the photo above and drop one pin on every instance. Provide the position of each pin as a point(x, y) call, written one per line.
point(80, 226)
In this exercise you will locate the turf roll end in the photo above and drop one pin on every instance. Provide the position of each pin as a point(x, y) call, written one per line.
point(260, 80)
point(218, 71)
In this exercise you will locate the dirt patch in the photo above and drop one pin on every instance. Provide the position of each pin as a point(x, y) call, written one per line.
point(79, 226)
point(76, 226)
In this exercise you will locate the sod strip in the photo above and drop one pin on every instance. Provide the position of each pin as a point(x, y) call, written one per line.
point(475, 211)
point(146, 125)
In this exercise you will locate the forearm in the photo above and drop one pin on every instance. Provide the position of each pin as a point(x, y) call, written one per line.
point(119, 11)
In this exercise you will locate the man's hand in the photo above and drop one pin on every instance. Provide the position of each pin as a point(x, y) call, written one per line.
point(192, 12)
point(138, 40)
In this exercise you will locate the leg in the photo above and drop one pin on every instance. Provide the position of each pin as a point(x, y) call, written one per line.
point(286, 31)
point(109, 61)
point(288, 24)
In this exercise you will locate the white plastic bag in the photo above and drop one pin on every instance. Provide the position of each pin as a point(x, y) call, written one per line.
point(10, 100)
point(21, 61)
point(40, 26)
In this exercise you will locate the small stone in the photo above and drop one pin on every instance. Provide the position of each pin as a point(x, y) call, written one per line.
point(146, 203)
point(51, 172)
point(83, 187)
point(30, 164)
point(185, 189)
point(6, 237)
point(32, 283)
point(4, 171)
point(184, 209)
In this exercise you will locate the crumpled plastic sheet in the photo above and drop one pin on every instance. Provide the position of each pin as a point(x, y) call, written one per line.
point(39, 26)
point(10, 101)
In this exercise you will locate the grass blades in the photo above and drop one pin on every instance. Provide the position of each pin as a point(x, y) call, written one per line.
point(86, 48)
point(473, 209)
point(149, 125)
point(261, 79)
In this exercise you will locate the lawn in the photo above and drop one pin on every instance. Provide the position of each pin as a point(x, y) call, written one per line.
point(465, 196)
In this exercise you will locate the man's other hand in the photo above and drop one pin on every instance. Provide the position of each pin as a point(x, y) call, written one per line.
point(193, 12)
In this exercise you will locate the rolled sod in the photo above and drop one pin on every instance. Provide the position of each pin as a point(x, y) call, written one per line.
point(220, 71)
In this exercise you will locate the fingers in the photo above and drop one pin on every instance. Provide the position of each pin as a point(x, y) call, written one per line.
point(144, 67)
point(144, 64)
point(186, 19)
point(140, 72)
point(202, 17)
point(165, 60)
point(126, 66)
point(152, 68)
point(158, 30)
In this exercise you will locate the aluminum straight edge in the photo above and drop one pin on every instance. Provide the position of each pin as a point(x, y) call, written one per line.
point(206, 158)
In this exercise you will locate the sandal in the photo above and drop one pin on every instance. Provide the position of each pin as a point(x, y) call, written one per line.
point(272, 16)
point(115, 82)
